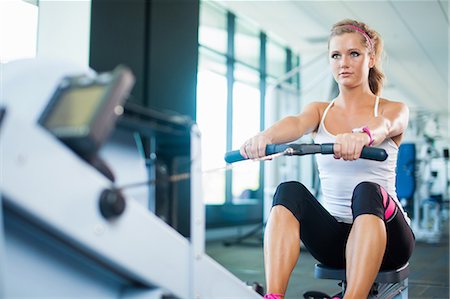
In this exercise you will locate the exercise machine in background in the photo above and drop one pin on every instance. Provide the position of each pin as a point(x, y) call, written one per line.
point(69, 228)
point(422, 179)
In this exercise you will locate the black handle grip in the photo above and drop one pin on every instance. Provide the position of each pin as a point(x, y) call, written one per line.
point(370, 153)
point(235, 156)
point(373, 153)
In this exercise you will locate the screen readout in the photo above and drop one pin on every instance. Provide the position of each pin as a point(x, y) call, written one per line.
point(76, 108)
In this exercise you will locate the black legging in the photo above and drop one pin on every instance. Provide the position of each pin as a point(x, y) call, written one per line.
point(326, 238)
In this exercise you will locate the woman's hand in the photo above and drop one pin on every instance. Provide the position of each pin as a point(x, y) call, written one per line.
point(348, 146)
point(255, 147)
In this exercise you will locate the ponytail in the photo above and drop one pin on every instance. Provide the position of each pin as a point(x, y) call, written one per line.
point(376, 78)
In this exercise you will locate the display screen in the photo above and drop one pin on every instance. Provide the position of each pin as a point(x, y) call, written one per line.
point(76, 107)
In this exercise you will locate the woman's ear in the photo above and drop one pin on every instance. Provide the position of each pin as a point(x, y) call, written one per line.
point(371, 61)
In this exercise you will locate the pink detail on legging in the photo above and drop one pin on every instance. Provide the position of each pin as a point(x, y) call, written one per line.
point(388, 203)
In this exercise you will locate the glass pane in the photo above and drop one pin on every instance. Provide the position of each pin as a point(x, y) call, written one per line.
point(213, 27)
point(246, 123)
point(247, 43)
point(211, 61)
point(246, 75)
point(18, 30)
point(276, 59)
point(212, 120)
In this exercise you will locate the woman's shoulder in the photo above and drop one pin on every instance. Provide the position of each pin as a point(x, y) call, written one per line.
point(320, 105)
point(386, 101)
point(316, 107)
point(391, 105)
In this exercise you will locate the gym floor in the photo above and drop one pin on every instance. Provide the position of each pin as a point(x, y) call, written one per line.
point(429, 267)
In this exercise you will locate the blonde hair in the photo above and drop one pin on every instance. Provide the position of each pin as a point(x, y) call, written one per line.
point(372, 41)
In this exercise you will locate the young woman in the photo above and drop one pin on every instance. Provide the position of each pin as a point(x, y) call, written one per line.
point(361, 225)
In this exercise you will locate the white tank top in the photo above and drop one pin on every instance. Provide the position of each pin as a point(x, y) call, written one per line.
point(339, 178)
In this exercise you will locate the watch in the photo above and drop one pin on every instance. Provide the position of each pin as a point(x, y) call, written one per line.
point(366, 130)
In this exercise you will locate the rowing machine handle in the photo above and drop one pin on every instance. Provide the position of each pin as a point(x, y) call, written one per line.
point(235, 156)
point(370, 153)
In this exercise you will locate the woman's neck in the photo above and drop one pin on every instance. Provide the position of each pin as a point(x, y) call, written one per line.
point(355, 97)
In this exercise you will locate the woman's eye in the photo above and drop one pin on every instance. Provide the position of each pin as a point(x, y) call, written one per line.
point(334, 56)
point(355, 54)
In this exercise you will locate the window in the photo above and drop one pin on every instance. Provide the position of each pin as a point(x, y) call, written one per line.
point(246, 123)
point(247, 44)
point(18, 30)
point(276, 59)
point(213, 27)
point(212, 122)
point(237, 62)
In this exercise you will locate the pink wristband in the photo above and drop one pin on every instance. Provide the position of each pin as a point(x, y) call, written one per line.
point(366, 130)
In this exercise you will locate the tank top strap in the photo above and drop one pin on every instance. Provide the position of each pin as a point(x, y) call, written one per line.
point(375, 108)
point(325, 112)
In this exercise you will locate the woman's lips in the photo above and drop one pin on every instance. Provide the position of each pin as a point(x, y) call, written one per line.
point(345, 74)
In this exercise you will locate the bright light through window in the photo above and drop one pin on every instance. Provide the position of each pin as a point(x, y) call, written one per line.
point(246, 122)
point(212, 122)
point(18, 30)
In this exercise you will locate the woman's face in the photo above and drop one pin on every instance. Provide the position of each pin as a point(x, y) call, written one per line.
point(349, 59)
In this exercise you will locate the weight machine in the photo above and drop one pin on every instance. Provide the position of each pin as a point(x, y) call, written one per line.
point(426, 179)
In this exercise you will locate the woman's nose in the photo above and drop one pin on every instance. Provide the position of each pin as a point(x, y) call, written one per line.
point(344, 61)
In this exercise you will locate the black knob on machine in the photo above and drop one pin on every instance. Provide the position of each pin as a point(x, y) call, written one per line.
point(111, 203)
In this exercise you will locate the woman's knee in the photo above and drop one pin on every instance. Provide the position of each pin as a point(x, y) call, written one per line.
point(290, 195)
point(365, 187)
point(289, 192)
point(281, 212)
point(290, 189)
point(367, 199)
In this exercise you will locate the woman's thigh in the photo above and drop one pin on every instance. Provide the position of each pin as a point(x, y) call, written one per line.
point(320, 232)
point(371, 198)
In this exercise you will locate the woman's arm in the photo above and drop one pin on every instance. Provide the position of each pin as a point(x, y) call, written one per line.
point(287, 129)
point(391, 122)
